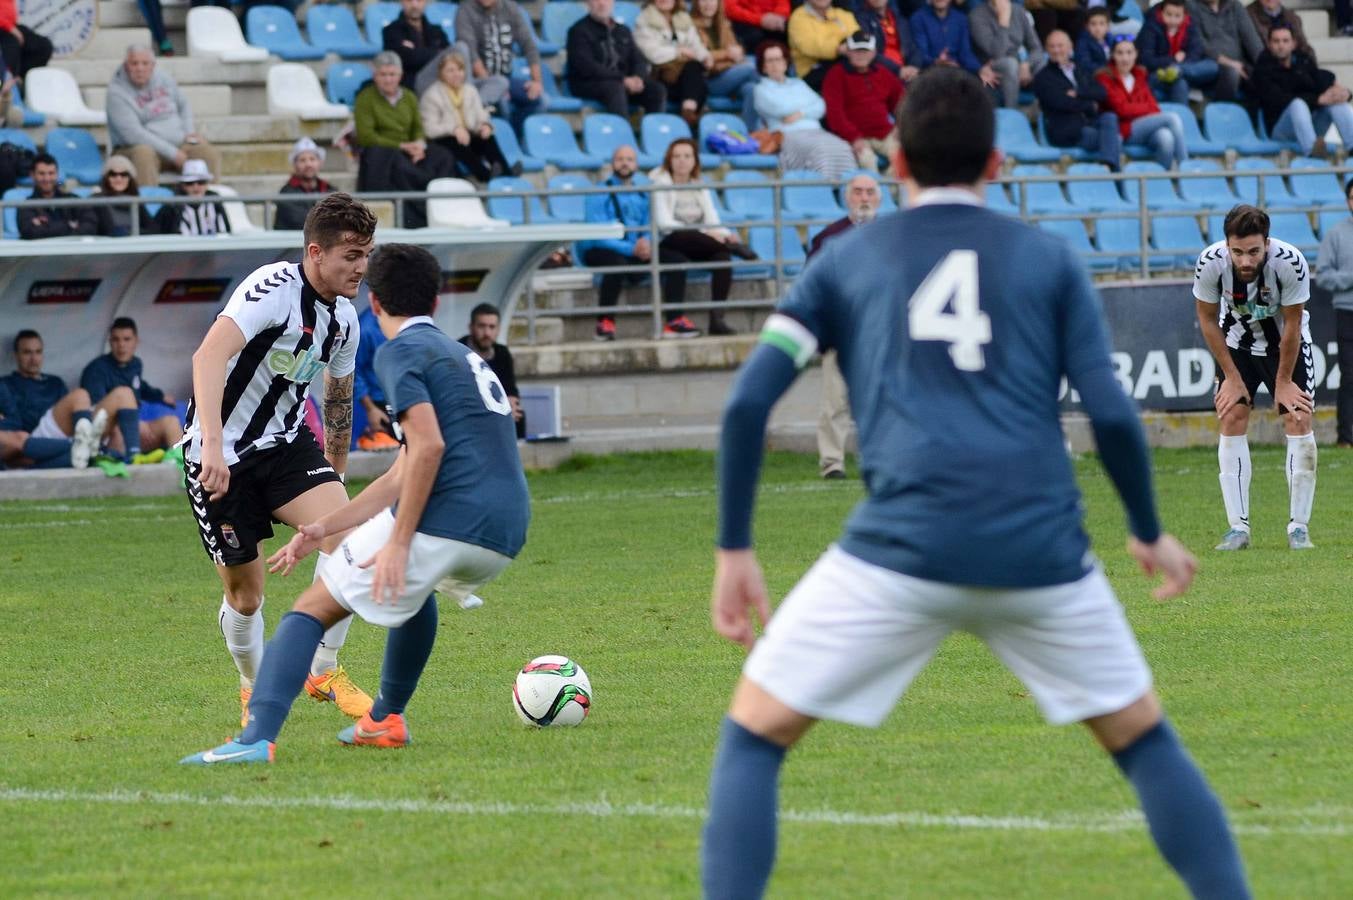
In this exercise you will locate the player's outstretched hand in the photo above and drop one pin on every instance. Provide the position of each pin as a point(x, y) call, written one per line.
point(738, 588)
point(1230, 392)
point(1170, 559)
point(1286, 393)
point(306, 541)
point(387, 582)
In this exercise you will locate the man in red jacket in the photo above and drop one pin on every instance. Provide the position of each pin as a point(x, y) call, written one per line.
point(755, 21)
point(861, 96)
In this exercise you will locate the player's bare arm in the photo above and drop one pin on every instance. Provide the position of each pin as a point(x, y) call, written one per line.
point(423, 447)
point(338, 420)
point(739, 589)
point(223, 341)
point(1285, 391)
point(1232, 389)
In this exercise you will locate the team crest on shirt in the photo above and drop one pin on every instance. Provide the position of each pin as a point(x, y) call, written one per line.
point(228, 533)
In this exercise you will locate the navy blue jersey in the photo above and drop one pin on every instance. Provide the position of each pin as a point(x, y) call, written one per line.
point(9, 410)
point(954, 327)
point(105, 373)
point(480, 494)
point(33, 396)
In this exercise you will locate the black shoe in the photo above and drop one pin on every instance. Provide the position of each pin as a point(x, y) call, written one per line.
point(742, 251)
point(834, 474)
point(717, 326)
point(516, 169)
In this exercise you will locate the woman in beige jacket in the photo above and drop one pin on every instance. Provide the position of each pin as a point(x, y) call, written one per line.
point(455, 118)
point(670, 42)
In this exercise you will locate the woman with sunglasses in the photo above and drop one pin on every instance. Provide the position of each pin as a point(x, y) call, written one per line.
point(119, 180)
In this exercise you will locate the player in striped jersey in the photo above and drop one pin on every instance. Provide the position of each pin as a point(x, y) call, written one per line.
point(248, 455)
point(1251, 292)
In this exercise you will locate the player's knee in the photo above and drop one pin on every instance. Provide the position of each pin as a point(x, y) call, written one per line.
point(1236, 420)
point(245, 600)
point(317, 602)
point(79, 399)
point(1297, 423)
point(121, 398)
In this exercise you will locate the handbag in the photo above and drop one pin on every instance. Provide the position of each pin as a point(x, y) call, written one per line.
point(731, 143)
point(768, 142)
point(670, 71)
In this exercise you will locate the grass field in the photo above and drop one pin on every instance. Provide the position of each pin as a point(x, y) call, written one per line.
point(111, 669)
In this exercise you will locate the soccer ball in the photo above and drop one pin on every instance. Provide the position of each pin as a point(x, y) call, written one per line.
point(552, 690)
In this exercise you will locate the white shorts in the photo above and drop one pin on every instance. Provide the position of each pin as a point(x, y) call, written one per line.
point(465, 567)
point(47, 428)
point(851, 636)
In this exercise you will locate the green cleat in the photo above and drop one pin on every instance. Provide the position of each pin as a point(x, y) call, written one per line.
point(1299, 539)
point(1235, 539)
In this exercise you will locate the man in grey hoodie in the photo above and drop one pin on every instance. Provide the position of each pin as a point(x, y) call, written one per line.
point(485, 33)
point(1336, 274)
point(1229, 37)
point(149, 119)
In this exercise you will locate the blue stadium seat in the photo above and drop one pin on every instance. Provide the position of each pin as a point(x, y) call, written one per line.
point(1229, 124)
point(444, 15)
point(333, 27)
point(549, 137)
point(1276, 193)
point(1160, 193)
point(626, 13)
point(1075, 154)
point(557, 18)
point(11, 218)
point(1178, 235)
point(1331, 217)
point(1295, 228)
point(31, 117)
point(344, 80)
point(712, 122)
point(1194, 141)
point(513, 208)
point(761, 238)
point(1123, 236)
point(1291, 146)
point(1045, 197)
point(817, 201)
point(999, 201)
point(1322, 189)
point(155, 190)
point(744, 201)
point(558, 101)
point(658, 130)
point(1016, 139)
point(1074, 232)
point(376, 16)
point(565, 205)
point(1210, 192)
point(77, 154)
point(604, 132)
point(1096, 196)
point(507, 142)
point(274, 29)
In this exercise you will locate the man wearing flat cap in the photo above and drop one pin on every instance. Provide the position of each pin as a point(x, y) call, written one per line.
point(306, 158)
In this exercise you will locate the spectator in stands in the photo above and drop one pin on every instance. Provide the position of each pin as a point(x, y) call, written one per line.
point(1298, 99)
point(394, 154)
point(791, 107)
point(454, 118)
point(201, 218)
point(1053, 15)
point(689, 222)
point(485, 320)
point(1229, 37)
point(1003, 34)
point(861, 96)
point(486, 31)
point(731, 73)
point(61, 427)
point(1140, 120)
point(631, 209)
point(119, 180)
point(53, 221)
point(817, 38)
point(1336, 275)
point(1170, 47)
point(151, 122)
point(416, 41)
point(892, 35)
point(367, 391)
point(149, 425)
point(22, 47)
point(942, 39)
point(757, 21)
point(606, 65)
point(1094, 45)
point(1267, 13)
point(306, 158)
point(669, 41)
point(1343, 17)
point(153, 13)
point(1070, 99)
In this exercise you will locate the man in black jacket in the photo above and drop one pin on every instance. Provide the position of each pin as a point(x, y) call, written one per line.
point(1070, 102)
point(483, 339)
point(605, 64)
point(417, 41)
point(53, 221)
point(306, 159)
point(1299, 100)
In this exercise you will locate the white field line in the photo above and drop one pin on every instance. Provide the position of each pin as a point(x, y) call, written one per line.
point(66, 523)
point(1128, 820)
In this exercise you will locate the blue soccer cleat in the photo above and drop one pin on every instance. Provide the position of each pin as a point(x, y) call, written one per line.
point(1235, 539)
point(232, 751)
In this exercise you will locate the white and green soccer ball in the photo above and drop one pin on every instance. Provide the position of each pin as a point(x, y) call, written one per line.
point(552, 690)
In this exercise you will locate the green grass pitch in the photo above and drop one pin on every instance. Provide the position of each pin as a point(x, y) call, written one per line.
point(112, 668)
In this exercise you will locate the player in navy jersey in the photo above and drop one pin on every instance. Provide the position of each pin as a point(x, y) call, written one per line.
point(1251, 292)
point(461, 517)
point(953, 358)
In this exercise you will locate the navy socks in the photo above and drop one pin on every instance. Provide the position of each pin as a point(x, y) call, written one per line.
point(286, 662)
point(129, 423)
point(738, 849)
point(407, 649)
point(47, 453)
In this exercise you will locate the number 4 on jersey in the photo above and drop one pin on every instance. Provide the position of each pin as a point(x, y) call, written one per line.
point(952, 285)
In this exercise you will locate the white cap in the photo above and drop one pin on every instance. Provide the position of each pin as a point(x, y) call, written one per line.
point(304, 145)
point(195, 170)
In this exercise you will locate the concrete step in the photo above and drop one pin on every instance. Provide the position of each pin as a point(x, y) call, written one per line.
point(1343, 72)
point(90, 70)
point(625, 356)
point(120, 14)
point(265, 157)
point(206, 100)
point(1317, 23)
point(1332, 51)
point(585, 295)
point(271, 183)
point(263, 129)
point(112, 43)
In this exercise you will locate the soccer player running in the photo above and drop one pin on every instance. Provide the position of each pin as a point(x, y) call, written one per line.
point(462, 514)
point(953, 358)
point(249, 457)
point(1251, 292)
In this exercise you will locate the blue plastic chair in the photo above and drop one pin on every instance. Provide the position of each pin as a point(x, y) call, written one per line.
point(1016, 139)
point(1160, 192)
point(746, 196)
point(1229, 124)
point(344, 80)
point(1276, 193)
point(1073, 230)
point(816, 201)
point(1193, 135)
point(1123, 236)
point(557, 18)
point(999, 201)
point(565, 205)
point(1211, 192)
point(444, 15)
point(512, 152)
point(77, 154)
point(559, 102)
point(761, 238)
point(604, 132)
point(1096, 196)
point(1178, 235)
point(333, 27)
point(11, 219)
point(1330, 218)
point(626, 13)
point(549, 137)
point(31, 117)
point(1075, 154)
point(658, 130)
point(1044, 198)
point(155, 190)
point(712, 122)
point(1295, 228)
point(513, 208)
point(274, 29)
point(1322, 189)
point(376, 16)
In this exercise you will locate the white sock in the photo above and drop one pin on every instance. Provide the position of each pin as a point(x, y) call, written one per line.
point(326, 656)
point(1233, 454)
point(244, 639)
point(1301, 456)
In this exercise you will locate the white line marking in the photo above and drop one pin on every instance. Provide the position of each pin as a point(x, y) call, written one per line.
point(1128, 820)
point(66, 523)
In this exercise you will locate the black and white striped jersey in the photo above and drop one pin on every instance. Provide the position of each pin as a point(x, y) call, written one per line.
point(292, 336)
point(1249, 314)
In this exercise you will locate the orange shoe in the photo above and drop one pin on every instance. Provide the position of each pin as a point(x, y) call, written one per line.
point(389, 732)
point(245, 694)
point(336, 687)
point(378, 441)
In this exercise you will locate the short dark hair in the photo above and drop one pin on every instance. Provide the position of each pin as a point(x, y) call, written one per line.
point(1348, 187)
point(1244, 220)
point(123, 322)
point(337, 215)
point(761, 49)
point(1102, 11)
point(24, 335)
point(405, 279)
point(1179, 3)
point(41, 158)
point(485, 309)
point(1276, 26)
point(946, 126)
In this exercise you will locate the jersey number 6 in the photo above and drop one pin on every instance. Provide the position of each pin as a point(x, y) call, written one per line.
point(966, 328)
point(490, 388)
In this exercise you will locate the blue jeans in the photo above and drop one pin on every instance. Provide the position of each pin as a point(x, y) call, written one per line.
point(738, 81)
point(519, 106)
point(1164, 134)
point(1104, 139)
point(1200, 74)
point(1299, 124)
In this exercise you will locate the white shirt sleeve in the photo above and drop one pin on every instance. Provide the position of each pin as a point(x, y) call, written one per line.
point(1295, 280)
point(253, 312)
point(344, 361)
point(1206, 286)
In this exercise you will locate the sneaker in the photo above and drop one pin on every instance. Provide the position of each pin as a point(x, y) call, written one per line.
point(245, 694)
point(833, 474)
point(605, 329)
point(84, 444)
point(378, 441)
point(471, 601)
point(389, 732)
point(1235, 539)
point(1299, 539)
point(232, 752)
point(680, 327)
point(154, 457)
point(337, 687)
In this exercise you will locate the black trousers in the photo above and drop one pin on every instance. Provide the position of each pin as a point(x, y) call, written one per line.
point(391, 169)
point(691, 84)
point(33, 53)
point(751, 36)
point(1343, 330)
point(477, 157)
point(617, 100)
point(673, 283)
point(696, 246)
